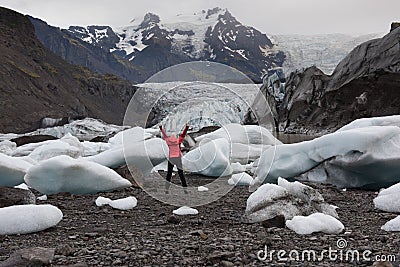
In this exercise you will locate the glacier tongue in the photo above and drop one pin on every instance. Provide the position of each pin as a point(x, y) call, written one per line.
point(200, 103)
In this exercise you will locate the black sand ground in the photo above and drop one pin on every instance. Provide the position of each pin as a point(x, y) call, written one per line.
point(149, 235)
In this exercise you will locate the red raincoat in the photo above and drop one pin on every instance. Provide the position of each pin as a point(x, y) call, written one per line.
point(174, 144)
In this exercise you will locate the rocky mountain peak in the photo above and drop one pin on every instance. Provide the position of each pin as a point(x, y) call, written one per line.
point(394, 25)
point(150, 19)
point(213, 11)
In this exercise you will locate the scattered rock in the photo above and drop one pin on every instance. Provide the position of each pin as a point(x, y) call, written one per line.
point(94, 234)
point(200, 233)
point(79, 264)
point(218, 256)
point(173, 219)
point(382, 264)
point(32, 257)
point(65, 250)
point(102, 139)
point(277, 221)
point(227, 264)
point(10, 196)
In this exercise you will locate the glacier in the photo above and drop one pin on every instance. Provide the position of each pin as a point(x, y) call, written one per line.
point(201, 104)
point(76, 176)
point(322, 50)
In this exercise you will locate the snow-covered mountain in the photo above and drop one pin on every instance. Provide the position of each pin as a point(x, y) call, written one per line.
point(212, 35)
point(146, 46)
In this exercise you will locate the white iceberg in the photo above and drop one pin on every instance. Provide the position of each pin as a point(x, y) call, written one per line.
point(53, 149)
point(392, 225)
point(26, 149)
point(209, 159)
point(243, 134)
point(285, 199)
point(316, 222)
point(133, 135)
point(7, 147)
point(76, 176)
point(389, 199)
point(238, 168)
point(12, 170)
point(24, 219)
point(144, 155)
point(367, 157)
point(43, 198)
point(120, 204)
point(22, 186)
point(264, 196)
point(94, 148)
point(185, 211)
point(67, 145)
point(202, 189)
point(376, 121)
point(243, 153)
point(240, 179)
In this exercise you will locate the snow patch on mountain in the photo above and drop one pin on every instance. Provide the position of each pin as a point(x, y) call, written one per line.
point(195, 27)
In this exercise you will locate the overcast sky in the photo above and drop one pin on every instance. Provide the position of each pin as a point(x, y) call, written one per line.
point(269, 16)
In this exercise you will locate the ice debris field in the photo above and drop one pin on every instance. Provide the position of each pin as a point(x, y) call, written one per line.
point(362, 154)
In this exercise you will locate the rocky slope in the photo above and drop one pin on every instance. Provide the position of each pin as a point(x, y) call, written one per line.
point(364, 84)
point(35, 83)
point(141, 49)
point(78, 52)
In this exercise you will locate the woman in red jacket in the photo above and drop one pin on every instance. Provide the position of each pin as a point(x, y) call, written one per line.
point(175, 155)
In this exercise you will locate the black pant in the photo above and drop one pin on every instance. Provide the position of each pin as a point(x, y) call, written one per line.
point(178, 163)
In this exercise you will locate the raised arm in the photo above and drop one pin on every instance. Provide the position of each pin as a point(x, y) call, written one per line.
point(163, 132)
point(182, 136)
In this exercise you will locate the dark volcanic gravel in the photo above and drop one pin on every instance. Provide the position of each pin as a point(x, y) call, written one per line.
point(149, 235)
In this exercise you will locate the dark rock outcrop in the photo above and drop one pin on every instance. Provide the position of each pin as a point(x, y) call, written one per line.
point(35, 83)
point(364, 84)
point(10, 196)
point(23, 140)
point(32, 257)
point(394, 25)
